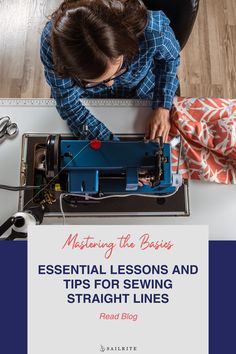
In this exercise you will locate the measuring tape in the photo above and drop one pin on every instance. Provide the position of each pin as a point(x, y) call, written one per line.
point(87, 102)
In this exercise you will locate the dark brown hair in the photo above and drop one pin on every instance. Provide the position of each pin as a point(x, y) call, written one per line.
point(86, 34)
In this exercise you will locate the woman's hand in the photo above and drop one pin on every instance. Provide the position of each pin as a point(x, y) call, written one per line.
point(158, 124)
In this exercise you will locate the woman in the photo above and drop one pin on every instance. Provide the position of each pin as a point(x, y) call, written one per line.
point(110, 49)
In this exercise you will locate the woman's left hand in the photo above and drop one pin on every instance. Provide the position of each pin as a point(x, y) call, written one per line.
point(158, 124)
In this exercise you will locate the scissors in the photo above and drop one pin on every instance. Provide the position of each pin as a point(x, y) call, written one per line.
point(7, 128)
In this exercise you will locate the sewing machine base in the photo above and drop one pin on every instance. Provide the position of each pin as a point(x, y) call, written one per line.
point(176, 205)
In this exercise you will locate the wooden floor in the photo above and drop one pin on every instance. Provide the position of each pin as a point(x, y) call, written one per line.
point(208, 66)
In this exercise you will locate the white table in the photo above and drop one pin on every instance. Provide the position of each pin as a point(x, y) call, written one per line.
point(210, 204)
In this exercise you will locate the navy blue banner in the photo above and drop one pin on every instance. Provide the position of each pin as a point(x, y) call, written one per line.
point(13, 297)
point(222, 295)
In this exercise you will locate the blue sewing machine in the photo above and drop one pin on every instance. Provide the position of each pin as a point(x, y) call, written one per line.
point(95, 167)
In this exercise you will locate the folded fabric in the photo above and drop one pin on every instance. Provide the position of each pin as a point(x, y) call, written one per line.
point(208, 130)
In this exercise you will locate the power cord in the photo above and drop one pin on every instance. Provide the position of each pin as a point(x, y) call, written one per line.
point(17, 188)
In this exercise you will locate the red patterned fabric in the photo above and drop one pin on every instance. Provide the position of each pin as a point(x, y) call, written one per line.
point(208, 131)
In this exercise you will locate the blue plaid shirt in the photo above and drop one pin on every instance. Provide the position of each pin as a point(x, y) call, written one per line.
point(151, 76)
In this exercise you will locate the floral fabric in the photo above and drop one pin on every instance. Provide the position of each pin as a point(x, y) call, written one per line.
point(208, 130)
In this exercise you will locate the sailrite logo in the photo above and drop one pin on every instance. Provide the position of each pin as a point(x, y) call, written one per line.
point(106, 348)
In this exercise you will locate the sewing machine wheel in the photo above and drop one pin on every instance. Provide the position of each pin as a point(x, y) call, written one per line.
point(52, 156)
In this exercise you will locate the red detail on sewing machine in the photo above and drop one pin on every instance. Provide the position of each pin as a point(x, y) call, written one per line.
point(95, 144)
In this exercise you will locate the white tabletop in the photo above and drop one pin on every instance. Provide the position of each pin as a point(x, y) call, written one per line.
point(210, 204)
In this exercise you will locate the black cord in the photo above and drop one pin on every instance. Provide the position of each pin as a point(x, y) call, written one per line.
point(18, 188)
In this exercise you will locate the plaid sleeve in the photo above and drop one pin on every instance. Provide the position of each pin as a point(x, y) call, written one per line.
point(166, 64)
point(67, 96)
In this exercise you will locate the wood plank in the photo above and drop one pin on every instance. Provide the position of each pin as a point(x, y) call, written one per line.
point(208, 62)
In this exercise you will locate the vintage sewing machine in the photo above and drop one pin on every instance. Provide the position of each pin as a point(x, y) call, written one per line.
point(131, 176)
